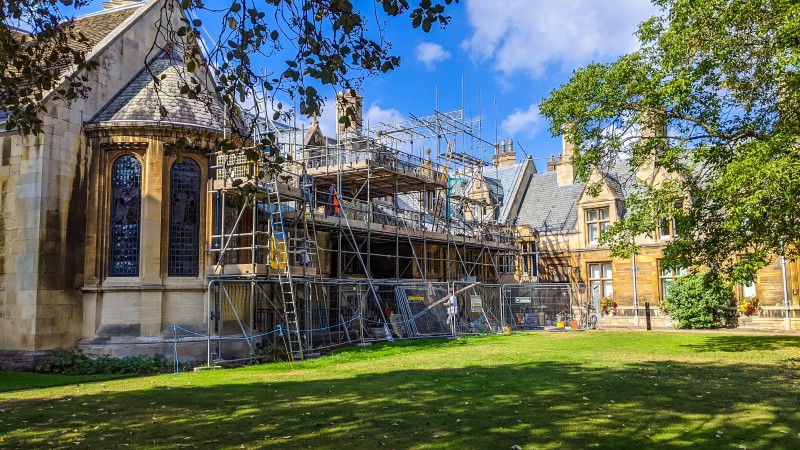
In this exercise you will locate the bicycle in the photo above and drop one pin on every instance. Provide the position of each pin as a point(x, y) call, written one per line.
point(589, 318)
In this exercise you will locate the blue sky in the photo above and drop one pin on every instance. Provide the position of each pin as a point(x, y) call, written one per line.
point(514, 52)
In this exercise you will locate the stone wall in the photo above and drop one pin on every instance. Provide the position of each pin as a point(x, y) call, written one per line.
point(44, 203)
point(560, 250)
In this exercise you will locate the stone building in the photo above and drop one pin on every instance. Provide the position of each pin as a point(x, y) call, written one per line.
point(564, 223)
point(107, 243)
point(46, 182)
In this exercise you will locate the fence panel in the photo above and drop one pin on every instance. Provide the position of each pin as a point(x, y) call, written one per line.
point(537, 305)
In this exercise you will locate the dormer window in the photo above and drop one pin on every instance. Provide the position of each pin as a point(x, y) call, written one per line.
point(666, 228)
point(597, 222)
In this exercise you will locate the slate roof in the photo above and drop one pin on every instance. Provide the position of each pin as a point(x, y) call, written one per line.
point(98, 25)
point(501, 182)
point(620, 178)
point(548, 207)
point(496, 191)
point(95, 27)
point(508, 178)
point(139, 101)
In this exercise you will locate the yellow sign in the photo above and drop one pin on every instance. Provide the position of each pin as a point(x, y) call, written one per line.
point(414, 298)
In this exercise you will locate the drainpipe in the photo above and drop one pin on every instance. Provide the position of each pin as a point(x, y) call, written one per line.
point(635, 293)
point(785, 287)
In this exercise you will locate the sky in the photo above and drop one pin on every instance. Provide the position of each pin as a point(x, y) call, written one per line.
point(514, 52)
point(510, 55)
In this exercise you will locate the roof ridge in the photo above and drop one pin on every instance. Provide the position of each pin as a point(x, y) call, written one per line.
point(138, 4)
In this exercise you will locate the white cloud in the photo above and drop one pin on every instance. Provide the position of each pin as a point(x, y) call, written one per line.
point(327, 118)
point(373, 116)
point(429, 54)
point(376, 115)
point(522, 123)
point(529, 36)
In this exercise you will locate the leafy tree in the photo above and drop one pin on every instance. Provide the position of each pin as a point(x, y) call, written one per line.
point(698, 300)
point(317, 43)
point(710, 101)
point(37, 42)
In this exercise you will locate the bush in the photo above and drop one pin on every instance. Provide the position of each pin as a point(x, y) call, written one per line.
point(273, 353)
point(698, 300)
point(73, 362)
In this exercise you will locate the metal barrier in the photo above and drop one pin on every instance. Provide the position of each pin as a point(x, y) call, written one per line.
point(244, 312)
point(479, 307)
point(530, 306)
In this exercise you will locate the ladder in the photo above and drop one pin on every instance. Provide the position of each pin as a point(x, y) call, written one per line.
point(307, 251)
point(307, 248)
point(280, 263)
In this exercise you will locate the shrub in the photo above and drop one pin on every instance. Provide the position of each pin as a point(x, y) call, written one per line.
point(698, 300)
point(273, 353)
point(73, 362)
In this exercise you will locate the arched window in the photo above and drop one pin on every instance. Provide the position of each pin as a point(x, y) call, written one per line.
point(126, 216)
point(184, 219)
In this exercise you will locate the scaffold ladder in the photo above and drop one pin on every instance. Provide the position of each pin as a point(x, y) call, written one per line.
point(280, 263)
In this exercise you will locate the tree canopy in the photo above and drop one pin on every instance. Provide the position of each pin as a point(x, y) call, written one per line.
point(278, 49)
point(711, 101)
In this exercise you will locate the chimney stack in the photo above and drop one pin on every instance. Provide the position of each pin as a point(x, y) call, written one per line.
point(654, 129)
point(351, 105)
point(551, 165)
point(506, 156)
point(565, 173)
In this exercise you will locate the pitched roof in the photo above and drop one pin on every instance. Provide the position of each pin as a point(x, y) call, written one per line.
point(140, 101)
point(508, 178)
point(621, 178)
point(548, 207)
point(502, 184)
point(97, 26)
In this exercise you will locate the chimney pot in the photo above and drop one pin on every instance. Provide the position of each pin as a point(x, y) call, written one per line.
point(502, 146)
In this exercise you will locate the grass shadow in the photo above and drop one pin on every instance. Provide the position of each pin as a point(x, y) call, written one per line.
point(17, 381)
point(546, 405)
point(743, 343)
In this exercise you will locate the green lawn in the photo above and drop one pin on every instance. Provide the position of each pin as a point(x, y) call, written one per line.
point(545, 390)
point(14, 381)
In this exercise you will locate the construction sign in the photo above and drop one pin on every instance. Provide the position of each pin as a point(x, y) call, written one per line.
point(476, 302)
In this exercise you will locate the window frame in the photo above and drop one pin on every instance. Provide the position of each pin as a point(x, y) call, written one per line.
point(671, 224)
point(672, 275)
point(749, 286)
point(670, 228)
point(113, 161)
point(602, 280)
point(602, 224)
point(172, 264)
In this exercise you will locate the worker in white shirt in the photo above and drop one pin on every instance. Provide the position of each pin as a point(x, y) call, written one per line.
point(452, 309)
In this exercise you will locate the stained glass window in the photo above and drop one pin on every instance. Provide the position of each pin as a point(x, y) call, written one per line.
point(126, 214)
point(184, 219)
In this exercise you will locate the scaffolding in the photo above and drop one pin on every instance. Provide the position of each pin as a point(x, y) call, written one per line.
point(355, 239)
